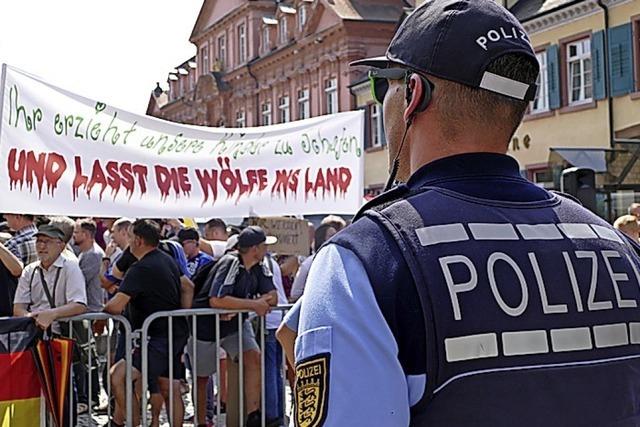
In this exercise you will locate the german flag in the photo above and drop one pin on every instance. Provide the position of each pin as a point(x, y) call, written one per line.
point(53, 358)
point(19, 382)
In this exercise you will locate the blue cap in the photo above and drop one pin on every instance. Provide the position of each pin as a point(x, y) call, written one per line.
point(456, 40)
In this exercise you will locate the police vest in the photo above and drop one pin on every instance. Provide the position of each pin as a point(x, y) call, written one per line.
point(530, 311)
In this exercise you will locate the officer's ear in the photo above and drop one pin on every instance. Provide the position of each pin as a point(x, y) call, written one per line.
point(418, 96)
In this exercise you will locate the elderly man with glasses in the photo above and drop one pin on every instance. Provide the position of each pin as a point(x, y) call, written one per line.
point(52, 287)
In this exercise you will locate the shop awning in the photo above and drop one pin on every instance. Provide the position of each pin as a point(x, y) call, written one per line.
point(592, 158)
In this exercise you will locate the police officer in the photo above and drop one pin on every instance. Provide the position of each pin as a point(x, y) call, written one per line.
point(467, 295)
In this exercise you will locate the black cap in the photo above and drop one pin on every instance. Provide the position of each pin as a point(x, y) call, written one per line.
point(254, 235)
point(188, 234)
point(50, 231)
point(456, 40)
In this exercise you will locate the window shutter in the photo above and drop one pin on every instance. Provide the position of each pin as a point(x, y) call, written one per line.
point(367, 126)
point(620, 59)
point(553, 75)
point(597, 64)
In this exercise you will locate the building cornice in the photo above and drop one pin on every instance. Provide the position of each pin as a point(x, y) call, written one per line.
point(565, 15)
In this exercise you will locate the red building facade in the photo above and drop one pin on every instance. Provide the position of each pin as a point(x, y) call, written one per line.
point(262, 62)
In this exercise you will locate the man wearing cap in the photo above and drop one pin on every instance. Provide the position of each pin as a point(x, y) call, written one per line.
point(189, 238)
point(467, 295)
point(52, 287)
point(238, 281)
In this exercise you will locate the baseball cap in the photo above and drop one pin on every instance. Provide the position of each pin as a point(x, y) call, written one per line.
point(188, 234)
point(254, 235)
point(456, 40)
point(232, 242)
point(50, 231)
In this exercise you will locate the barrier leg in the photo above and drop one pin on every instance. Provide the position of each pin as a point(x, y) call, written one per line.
point(194, 369)
point(72, 404)
point(90, 371)
point(170, 411)
point(218, 372)
point(263, 408)
point(240, 372)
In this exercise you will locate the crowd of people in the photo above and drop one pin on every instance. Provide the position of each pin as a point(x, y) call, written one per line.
point(58, 267)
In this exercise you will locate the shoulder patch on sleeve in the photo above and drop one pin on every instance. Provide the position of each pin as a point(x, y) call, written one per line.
point(312, 390)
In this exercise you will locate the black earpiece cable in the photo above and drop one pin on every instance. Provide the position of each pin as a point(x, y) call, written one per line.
point(396, 161)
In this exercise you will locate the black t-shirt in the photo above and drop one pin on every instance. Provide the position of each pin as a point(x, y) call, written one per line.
point(153, 283)
point(229, 277)
point(8, 285)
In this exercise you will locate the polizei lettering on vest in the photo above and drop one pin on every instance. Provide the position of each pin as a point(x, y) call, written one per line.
point(498, 34)
point(589, 263)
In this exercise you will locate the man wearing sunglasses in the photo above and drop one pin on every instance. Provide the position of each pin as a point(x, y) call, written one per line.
point(467, 295)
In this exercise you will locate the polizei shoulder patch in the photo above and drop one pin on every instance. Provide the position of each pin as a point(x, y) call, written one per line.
point(312, 390)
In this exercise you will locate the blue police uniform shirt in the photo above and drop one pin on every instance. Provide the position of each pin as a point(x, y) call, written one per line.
point(370, 335)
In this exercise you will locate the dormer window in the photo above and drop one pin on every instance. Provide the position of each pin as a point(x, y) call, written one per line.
point(266, 43)
point(284, 36)
point(302, 17)
point(267, 24)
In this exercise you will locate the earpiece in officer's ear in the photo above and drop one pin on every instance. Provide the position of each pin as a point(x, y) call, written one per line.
point(425, 99)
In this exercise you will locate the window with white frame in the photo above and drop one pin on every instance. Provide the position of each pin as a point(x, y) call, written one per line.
point(284, 36)
point(542, 177)
point(302, 17)
point(266, 42)
point(377, 127)
point(304, 110)
point(579, 76)
point(331, 93)
point(284, 109)
point(242, 43)
point(241, 120)
point(541, 103)
point(266, 113)
point(204, 59)
point(222, 50)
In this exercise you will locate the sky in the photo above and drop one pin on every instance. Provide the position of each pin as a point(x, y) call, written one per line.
point(109, 50)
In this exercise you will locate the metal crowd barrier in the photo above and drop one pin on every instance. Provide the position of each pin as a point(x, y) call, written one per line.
point(194, 314)
point(113, 326)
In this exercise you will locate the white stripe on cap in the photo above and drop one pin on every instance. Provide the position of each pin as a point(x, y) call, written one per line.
point(504, 86)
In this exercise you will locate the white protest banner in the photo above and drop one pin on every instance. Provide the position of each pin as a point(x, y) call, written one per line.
point(64, 154)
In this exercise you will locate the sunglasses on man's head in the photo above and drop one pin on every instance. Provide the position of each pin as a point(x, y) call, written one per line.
point(379, 80)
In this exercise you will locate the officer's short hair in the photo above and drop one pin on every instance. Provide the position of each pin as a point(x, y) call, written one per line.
point(460, 105)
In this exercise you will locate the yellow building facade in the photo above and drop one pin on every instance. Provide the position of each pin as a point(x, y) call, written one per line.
point(587, 113)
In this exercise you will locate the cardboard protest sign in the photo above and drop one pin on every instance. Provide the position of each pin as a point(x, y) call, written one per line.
point(292, 234)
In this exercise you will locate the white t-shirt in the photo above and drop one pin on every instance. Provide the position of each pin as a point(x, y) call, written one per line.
point(275, 317)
